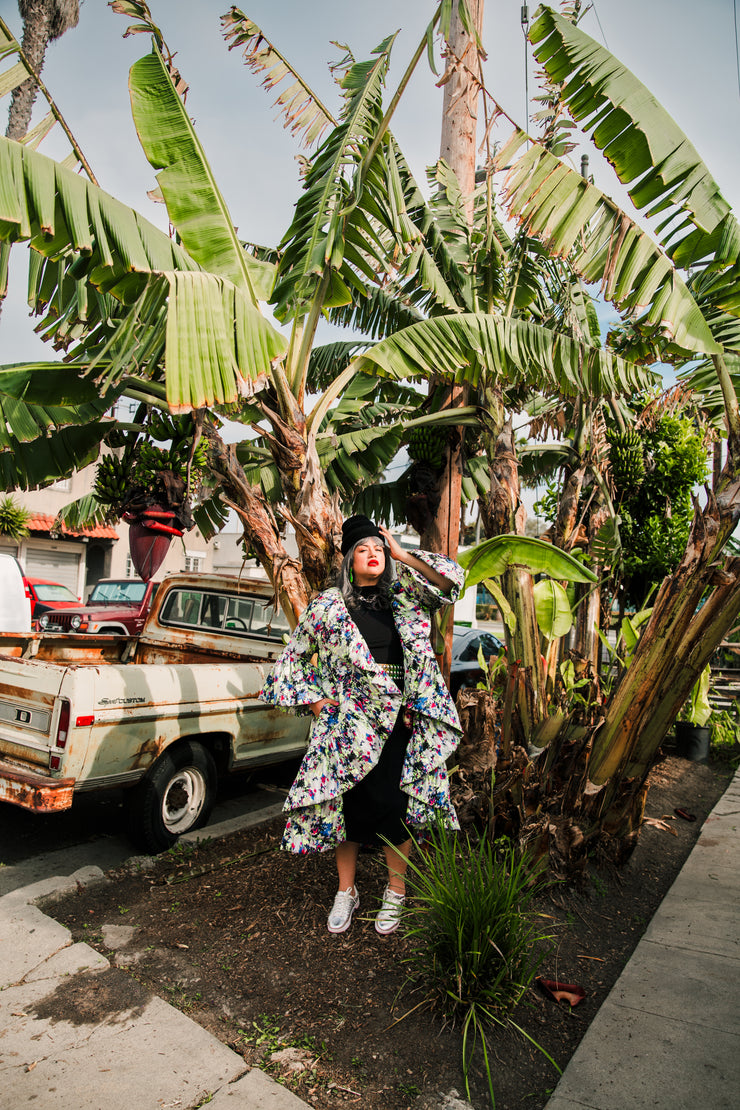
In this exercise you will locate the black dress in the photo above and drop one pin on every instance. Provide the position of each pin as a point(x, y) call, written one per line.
point(375, 807)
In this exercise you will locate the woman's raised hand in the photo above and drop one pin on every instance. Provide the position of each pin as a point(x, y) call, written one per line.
point(394, 548)
point(317, 706)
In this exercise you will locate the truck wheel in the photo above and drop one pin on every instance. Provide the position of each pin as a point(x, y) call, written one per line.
point(176, 796)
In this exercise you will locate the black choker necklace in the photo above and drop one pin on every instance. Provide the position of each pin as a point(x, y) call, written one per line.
point(366, 593)
point(369, 597)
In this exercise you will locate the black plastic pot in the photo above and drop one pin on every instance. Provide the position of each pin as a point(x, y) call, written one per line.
point(692, 741)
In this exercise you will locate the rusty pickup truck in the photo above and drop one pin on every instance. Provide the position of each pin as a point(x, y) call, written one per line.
point(161, 714)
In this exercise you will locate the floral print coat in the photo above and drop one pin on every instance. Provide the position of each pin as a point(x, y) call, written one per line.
point(327, 657)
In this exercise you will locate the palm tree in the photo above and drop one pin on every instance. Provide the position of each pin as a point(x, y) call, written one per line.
point(43, 21)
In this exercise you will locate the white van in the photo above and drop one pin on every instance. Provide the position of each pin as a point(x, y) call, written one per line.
point(15, 606)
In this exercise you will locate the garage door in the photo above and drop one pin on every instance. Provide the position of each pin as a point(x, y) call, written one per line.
point(59, 566)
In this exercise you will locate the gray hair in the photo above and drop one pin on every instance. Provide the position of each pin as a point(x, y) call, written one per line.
point(347, 588)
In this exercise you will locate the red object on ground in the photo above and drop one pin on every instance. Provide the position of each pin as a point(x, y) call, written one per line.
point(561, 992)
point(685, 814)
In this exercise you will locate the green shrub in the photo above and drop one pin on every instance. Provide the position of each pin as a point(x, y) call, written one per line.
point(473, 938)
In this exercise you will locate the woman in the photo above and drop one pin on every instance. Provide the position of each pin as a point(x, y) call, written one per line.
point(361, 660)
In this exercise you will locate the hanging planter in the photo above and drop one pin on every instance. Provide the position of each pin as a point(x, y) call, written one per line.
point(149, 537)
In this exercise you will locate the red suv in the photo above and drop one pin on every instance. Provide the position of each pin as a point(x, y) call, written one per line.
point(115, 605)
point(44, 594)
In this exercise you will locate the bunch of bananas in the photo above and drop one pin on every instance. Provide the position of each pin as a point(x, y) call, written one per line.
point(145, 471)
point(627, 460)
point(112, 480)
point(427, 444)
point(180, 453)
point(116, 438)
point(162, 427)
point(150, 463)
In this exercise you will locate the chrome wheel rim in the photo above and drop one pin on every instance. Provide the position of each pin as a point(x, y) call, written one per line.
point(183, 800)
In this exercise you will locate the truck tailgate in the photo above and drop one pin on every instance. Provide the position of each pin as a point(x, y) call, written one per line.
point(28, 692)
point(28, 706)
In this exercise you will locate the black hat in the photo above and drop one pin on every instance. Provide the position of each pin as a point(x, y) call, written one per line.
point(357, 528)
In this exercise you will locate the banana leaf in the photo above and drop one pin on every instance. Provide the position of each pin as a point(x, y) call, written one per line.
point(473, 346)
point(195, 204)
point(552, 608)
point(85, 512)
point(338, 230)
point(15, 75)
point(37, 398)
point(576, 220)
point(302, 112)
point(493, 556)
point(38, 462)
point(640, 139)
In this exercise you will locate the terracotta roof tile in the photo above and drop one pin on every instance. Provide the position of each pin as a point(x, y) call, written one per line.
point(42, 522)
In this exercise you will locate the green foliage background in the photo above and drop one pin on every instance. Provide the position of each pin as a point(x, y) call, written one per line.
point(656, 517)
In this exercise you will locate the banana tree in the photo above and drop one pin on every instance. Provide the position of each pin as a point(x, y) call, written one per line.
point(116, 292)
point(448, 267)
point(666, 316)
point(607, 761)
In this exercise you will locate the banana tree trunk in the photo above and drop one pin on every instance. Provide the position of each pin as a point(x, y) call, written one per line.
point(588, 614)
point(588, 785)
point(503, 513)
point(261, 529)
point(309, 508)
point(673, 650)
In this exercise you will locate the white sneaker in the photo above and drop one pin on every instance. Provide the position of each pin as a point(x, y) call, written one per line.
point(389, 914)
point(344, 906)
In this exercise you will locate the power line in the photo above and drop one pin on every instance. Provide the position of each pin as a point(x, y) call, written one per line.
point(593, 5)
point(737, 49)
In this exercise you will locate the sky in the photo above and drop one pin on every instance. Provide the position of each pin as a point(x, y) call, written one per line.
point(683, 51)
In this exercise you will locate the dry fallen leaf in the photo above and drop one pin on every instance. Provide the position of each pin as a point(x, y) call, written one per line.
point(658, 823)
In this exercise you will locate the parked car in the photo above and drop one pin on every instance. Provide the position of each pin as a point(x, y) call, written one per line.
point(465, 668)
point(15, 607)
point(115, 605)
point(44, 594)
point(159, 716)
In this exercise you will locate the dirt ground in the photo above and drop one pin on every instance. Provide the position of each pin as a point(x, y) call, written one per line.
point(233, 933)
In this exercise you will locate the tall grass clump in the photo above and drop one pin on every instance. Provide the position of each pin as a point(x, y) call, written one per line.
point(474, 943)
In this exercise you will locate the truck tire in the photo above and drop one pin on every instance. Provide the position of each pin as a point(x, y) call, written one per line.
point(175, 797)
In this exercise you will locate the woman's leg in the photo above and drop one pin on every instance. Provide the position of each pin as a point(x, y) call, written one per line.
point(397, 861)
point(346, 855)
point(346, 899)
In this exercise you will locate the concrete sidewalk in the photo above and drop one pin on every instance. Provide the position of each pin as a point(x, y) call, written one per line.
point(668, 1035)
point(101, 1055)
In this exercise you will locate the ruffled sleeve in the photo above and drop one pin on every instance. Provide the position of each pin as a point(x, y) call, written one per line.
point(423, 592)
point(294, 681)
